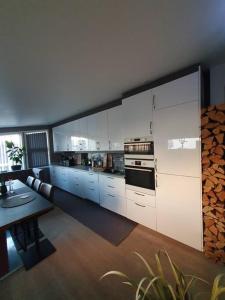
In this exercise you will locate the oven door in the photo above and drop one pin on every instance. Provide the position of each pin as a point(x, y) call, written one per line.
point(140, 177)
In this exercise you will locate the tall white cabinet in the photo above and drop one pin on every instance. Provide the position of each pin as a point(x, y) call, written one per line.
point(176, 120)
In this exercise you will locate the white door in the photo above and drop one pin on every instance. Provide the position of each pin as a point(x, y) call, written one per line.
point(179, 210)
point(59, 139)
point(115, 126)
point(137, 115)
point(177, 139)
point(182, 90)
point(98, 132)
point(83, 134)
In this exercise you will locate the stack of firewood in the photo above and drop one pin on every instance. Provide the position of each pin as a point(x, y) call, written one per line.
point(213, 180)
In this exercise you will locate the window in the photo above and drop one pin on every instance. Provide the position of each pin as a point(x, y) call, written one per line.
point(37, 149)
point(16, 138)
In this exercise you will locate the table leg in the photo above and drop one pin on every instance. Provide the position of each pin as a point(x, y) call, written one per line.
point(4, 261)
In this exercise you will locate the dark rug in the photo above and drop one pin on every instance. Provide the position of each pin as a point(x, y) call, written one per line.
point(109, 225)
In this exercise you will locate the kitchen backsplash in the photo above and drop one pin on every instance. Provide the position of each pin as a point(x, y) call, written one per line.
point(115, 160)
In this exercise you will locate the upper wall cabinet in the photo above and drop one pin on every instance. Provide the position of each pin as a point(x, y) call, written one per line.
point(115, 125)
point(60, 139)
point(177, 139)
point(98, 132)
point(182, 90)
point(137, 115)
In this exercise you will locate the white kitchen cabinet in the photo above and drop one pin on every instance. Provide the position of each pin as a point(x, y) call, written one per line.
point(83, 134)
point(141, 208)
point(177, 139)
point(145, 199)
point(59, 177)
point(98, 139)
point(141, 213)
point(115, 125)
point(76, 182)
point(179, 209)
point(182, 90)
point(59, 139)
point(112, 193)
point(137, 115)
point(91, 186)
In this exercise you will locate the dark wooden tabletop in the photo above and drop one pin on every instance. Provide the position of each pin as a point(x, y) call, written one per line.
point(35, 208)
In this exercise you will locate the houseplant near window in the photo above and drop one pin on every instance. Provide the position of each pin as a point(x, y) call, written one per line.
point(156, 286)
point(15, 154)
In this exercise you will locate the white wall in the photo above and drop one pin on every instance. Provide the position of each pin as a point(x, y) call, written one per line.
point(217, 84)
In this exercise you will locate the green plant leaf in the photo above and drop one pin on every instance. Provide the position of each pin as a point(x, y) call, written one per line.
point(149, 286)
point(159, 266)
point(117, 273)
point(137, 296)
point(148, 267)
point(216, 289)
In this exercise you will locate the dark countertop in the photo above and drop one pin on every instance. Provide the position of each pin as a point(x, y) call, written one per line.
point(89, 169)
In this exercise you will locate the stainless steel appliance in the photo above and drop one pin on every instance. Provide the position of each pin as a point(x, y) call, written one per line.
point(139, 146)
point(139, 165)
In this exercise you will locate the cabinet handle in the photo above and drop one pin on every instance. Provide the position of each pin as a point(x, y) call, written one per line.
point(150, 127)
point(156, 164)
point(139, 204)
point(91, 182)
point(91, 189)
point(156, 181)
point(139, 194)
point(109, 145)
point(110, 177)
point(111, 195)
point(153, 102)
point(111, 186)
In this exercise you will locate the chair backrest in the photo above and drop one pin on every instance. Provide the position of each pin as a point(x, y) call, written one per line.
point(36, 184)
point(30, 181)
point(46, 190)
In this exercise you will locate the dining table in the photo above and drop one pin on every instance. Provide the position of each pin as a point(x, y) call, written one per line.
point(12, 216)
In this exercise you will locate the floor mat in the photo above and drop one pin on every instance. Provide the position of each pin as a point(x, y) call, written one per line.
point(109, 225)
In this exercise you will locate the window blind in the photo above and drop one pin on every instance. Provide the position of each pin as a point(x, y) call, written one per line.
point(37, 149)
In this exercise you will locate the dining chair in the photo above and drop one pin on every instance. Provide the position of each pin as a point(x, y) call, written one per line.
point(30, 181)
point(46, 190)
point(36, 184)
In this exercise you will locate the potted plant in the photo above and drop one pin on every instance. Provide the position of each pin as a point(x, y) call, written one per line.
point(15, 154)
point(155, 285)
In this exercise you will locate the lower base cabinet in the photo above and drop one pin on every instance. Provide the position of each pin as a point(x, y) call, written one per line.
point(141, 213)
point(114, 203)
point(112, 193)
point(179, 209)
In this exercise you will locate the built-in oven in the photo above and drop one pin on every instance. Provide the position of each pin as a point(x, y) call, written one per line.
point(140, 175)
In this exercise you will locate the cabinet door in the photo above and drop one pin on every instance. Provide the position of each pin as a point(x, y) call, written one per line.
point(141, 213)
point(83, 134)
point(179, 210)
point(177, 139)
point(59, 139)
point(137, 115)
point(75, 182)
point(115, 125)
point(91, 186)
point(98, 132)
point(73, 134)
point(184, 89)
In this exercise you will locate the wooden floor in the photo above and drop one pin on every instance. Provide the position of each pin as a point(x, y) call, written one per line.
point(82, 257)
